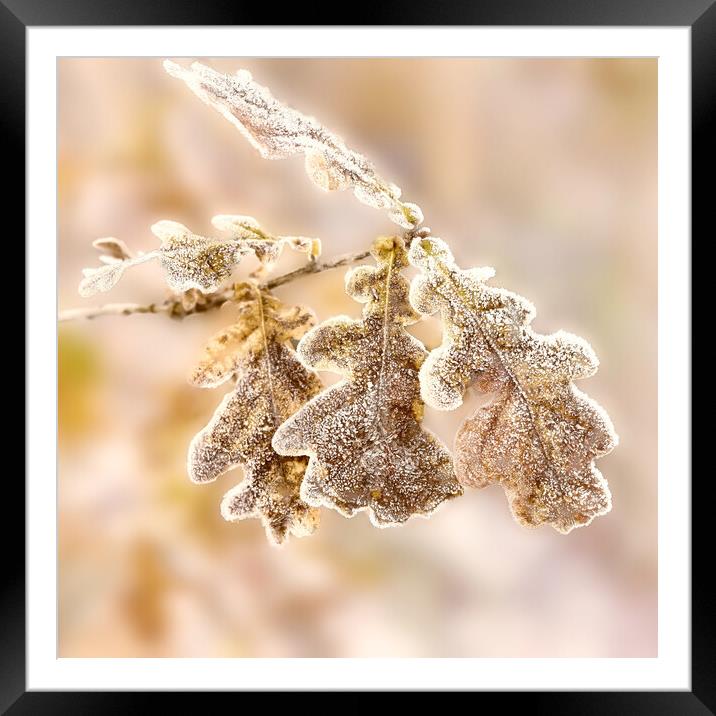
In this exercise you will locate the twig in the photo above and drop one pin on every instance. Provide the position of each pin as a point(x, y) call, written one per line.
point(315, 267)
point(174, 307)
point(113, 309)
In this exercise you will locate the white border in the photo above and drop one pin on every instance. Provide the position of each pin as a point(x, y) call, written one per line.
point(671, 669)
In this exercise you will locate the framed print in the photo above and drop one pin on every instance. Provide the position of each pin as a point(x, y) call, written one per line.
point(370, 353)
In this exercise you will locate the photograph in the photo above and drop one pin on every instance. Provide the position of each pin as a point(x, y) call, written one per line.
point(357, 357)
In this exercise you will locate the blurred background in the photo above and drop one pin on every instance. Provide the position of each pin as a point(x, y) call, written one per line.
point(544, 169)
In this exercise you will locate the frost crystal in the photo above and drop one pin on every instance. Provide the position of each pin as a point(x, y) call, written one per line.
point(278, 131)
point(363, 435)
point(271, 384)
point(540, 435)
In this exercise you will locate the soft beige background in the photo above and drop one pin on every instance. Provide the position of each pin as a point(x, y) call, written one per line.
point(545, 169)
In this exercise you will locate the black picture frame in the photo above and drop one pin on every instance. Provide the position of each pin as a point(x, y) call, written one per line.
point(699, 15)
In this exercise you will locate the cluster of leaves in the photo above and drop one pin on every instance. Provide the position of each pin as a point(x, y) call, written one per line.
point(191, 261)
point(359, 445)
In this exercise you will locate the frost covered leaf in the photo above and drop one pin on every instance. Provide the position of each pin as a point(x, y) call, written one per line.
point(116, 258)
point(189, 261)
point(540, 435)
point(102, 279)
point(112, 249)
point(363, 435)
point(271, 384)
point(99, 280)
point(277, 132)
point(266, 247)
point(193, 261)
point(248, 231)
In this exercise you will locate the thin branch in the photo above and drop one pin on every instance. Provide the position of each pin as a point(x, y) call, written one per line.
point(315, 267)
point(173, 306)
point(114, 309)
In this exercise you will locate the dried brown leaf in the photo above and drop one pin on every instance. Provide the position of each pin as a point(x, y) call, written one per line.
point(540, 435)
point(271, 384)
point(278, 131)
point(363, 435)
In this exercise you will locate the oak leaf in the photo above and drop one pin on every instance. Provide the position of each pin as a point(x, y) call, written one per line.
point(193, 261)
point(189, 260)
point(271, 384)
point(278, 131)
point(363, 435)
point(115, 258)
point(266, 247)
point(540, 435)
